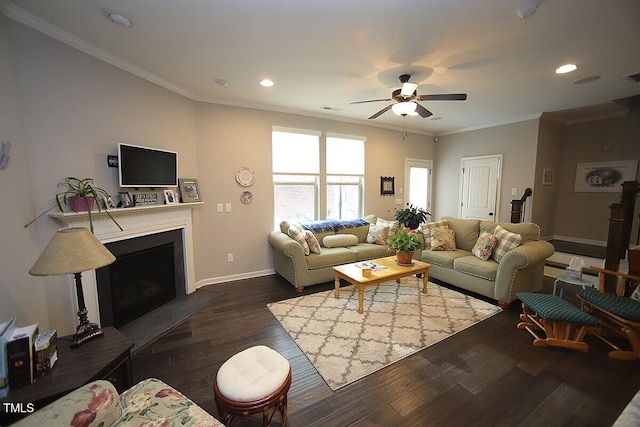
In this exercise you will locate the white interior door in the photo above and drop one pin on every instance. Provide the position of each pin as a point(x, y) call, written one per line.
point(417, 178)
point(480, 187)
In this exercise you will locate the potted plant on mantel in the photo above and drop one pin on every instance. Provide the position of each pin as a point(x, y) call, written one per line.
point(82, 196)
point(411, 216)
point(404, 243)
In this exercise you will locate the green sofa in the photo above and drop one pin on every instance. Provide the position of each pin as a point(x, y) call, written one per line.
point(520, 270)
point(302, 270)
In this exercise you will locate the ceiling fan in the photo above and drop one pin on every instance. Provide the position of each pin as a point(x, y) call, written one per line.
point(406, 98)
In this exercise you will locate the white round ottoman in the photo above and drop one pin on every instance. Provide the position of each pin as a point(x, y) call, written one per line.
point(253, 381)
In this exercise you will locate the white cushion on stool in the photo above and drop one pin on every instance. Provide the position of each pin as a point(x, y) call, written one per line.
point(252, 374)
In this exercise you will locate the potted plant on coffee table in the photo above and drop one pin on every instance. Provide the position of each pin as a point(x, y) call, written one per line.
point(412, 216)
point(404, 243)
point(82, 196)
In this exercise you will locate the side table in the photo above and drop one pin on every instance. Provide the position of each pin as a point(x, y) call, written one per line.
point(561, 280)
point(104, 358)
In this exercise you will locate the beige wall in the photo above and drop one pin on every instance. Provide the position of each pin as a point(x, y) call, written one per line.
point(232, 137)
point(550, 137)
point(516, 142)
point(585, 215)
point(20, 294)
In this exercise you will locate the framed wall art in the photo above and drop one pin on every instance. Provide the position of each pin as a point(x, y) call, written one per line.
point(604, 176)
point(189, 191)
point(387, 186)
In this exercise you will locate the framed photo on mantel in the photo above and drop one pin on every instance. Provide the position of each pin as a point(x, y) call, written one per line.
point(189, 190)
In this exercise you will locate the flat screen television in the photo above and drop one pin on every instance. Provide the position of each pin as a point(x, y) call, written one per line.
point(146, 167)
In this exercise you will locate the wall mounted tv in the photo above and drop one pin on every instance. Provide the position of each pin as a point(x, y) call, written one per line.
point(146, 167)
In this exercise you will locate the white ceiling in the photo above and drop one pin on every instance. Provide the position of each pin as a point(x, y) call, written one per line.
point(329, 53)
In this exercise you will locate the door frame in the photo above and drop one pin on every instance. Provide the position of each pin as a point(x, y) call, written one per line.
point(498, 182)
point(408, 162)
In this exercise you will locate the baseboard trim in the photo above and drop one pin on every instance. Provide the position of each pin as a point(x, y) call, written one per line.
point(579, 240)
point(234, 277)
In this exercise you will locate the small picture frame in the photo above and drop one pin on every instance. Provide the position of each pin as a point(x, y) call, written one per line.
point(189, 190)
point(547, 176)
point(125, 200)
point(170, 197)
point(108, 202)
point(387, 186)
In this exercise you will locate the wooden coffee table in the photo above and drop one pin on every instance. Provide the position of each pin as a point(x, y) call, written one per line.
point(353, 274)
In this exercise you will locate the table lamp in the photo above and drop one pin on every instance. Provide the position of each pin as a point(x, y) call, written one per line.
point(72, 251)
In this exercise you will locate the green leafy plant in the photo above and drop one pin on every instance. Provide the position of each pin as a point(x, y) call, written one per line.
point(405, 241)
point(412, 216)
point(79, 188)
point(82, 188)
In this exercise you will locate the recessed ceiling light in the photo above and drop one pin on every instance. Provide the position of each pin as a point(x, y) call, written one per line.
point(527, 9)
point(266, 83)
point(222, 82)
point(566, 68)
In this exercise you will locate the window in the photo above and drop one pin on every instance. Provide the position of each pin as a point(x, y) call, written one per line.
point(296, 161)
point(296, 170)
point(345, 176)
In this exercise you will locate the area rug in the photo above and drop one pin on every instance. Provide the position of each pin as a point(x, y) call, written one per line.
point(398, 320)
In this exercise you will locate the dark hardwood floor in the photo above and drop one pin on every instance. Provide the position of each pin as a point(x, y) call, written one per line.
point(487, 375)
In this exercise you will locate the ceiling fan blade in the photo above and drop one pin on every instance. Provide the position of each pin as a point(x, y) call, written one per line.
point(381, 112)
point(444, 97)
point(408, 89)
point(371, 100)
point(423, 112)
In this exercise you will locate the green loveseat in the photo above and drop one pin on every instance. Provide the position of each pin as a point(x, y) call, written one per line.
point(520, 270)
point(302, 270)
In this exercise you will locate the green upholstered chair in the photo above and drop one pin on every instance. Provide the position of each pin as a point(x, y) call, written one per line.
point(618, 312)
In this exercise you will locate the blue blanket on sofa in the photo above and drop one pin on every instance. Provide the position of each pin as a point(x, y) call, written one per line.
point(332, 225)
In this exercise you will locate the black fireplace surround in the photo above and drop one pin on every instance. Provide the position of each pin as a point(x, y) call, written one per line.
point(147, 273)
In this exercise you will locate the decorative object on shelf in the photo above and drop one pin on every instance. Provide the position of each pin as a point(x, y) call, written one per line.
point(145, 199)
point(604, 176)
point(412, 216)
point(547, 176)
point(108, 202)
point(83, 189)
point(169, 197)
point(125, 200)
point(404, 243)
point(245, 177)
point(246, 197)
point(387, 186)
point(72, 251)
point(189, 191)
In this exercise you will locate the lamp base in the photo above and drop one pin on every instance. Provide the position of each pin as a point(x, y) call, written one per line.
point(86, 332)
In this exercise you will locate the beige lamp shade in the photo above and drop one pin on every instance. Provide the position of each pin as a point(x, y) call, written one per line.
point(70, 251)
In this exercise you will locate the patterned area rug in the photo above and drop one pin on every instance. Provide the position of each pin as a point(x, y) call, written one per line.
point(398, 320)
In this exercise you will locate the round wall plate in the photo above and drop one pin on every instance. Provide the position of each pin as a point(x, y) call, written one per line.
point(245, 177)
point(246, 197)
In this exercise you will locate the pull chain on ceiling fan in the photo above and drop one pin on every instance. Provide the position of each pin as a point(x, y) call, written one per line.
point(406, 98)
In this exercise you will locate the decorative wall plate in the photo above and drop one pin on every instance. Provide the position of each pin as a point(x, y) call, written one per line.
point(245, 177)
point(246, 197)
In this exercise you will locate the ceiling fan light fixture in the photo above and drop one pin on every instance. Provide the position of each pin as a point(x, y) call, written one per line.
point(404, 108)
point(566, 68)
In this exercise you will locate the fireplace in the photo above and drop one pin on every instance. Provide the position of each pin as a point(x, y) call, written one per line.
point(148, 272)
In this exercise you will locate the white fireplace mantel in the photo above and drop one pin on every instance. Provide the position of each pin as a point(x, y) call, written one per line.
point(135, 222)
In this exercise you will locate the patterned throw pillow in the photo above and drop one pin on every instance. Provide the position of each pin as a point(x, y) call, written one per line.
point(442, 239)
point(393, 227)
point(378, 234)
point(506, 242)
point(484, 246)
point(295, 233)
point(426, 228)
point(314, 245)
